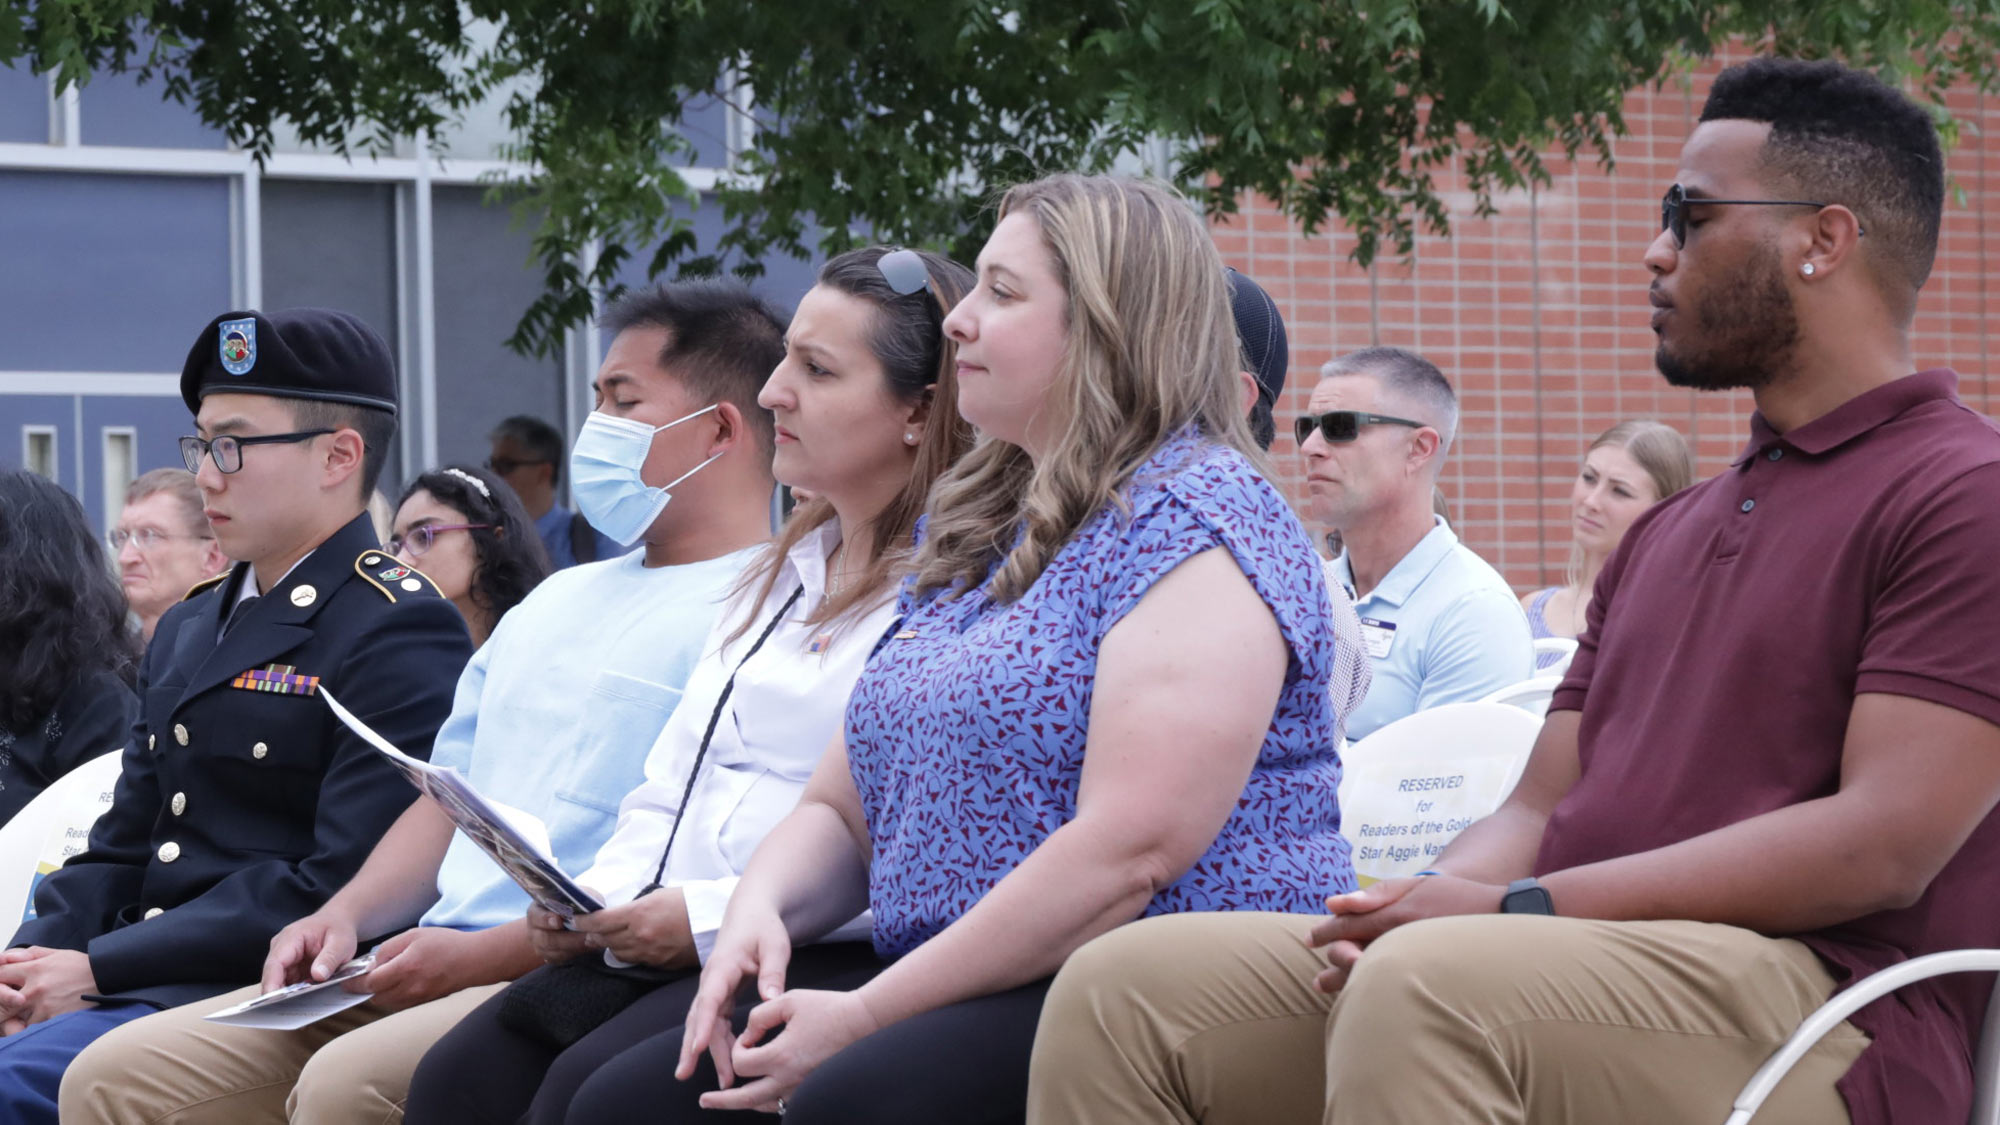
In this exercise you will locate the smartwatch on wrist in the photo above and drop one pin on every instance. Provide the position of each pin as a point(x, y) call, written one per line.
point(1527, 896)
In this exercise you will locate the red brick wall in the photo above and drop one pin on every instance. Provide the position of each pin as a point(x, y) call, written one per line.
point(1538, 315)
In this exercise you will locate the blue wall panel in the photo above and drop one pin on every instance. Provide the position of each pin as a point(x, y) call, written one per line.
point(24, 106)
point(17, 411)
point(109, 273)
point(159, 422)
point(117, 110)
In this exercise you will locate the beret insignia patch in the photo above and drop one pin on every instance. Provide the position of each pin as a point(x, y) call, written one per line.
point(237, 341)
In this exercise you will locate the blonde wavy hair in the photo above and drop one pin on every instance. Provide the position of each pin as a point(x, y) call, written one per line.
point(1660, 450)
point(1151, 349)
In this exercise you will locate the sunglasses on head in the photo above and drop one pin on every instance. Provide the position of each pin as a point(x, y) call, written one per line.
point(904, 270)
point(1344, 425)
point(1674, 205)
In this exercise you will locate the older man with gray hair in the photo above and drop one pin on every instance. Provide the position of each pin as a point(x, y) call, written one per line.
point(1438, 623)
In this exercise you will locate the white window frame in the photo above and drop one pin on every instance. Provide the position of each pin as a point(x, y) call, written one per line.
point(115, 483)
point(29, 433)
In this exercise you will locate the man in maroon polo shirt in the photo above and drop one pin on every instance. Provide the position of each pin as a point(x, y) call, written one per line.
point(1771, 770)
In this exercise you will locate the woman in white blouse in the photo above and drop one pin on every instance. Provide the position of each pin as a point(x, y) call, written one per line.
point(866, 409)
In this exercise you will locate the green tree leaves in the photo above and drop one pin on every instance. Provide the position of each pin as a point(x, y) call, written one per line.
point(895, 120)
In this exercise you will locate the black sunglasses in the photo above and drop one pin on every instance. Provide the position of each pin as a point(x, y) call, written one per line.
point(227, 450)
point(504, 465)
point(1674, 205)
point(1344, 425)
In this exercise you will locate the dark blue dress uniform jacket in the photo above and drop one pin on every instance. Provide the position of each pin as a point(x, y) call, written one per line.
point(241, 810)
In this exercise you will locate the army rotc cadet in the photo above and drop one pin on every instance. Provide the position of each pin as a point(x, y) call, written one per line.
point(244, 804)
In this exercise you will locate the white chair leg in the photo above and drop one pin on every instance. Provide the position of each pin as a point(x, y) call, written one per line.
point(1863, 993)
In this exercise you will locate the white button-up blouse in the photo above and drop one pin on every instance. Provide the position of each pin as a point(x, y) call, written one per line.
point(788, 703)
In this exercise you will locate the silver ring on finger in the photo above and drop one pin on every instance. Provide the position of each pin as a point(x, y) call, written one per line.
point(781, 1107)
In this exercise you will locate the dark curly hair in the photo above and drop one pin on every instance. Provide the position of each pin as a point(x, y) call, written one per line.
point(512, 560)
point(1845, 136)
point(62, 614)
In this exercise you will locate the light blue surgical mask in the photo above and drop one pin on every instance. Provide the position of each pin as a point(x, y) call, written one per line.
point(604, 475)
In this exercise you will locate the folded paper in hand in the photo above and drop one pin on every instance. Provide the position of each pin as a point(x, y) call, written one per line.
point(296, 1005)
point(515, 840)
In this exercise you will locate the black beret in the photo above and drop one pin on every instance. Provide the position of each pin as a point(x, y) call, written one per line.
point(295, 353)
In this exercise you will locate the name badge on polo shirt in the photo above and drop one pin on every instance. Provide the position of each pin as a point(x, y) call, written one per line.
point(1376, 637)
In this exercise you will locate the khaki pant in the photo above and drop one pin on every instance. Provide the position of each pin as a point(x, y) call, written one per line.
point(175, 1068)
point(1496, 1019)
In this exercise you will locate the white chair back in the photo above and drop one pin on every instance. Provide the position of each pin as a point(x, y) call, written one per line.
point(1411, 786)
point(1564, 647)
point(1531, 696)
point(50, 829)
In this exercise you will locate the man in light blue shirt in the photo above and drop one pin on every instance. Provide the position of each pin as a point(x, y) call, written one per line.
point(554, 716)
point(1439, 624)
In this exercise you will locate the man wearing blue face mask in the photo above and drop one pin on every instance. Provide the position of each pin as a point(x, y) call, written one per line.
point(553, 716)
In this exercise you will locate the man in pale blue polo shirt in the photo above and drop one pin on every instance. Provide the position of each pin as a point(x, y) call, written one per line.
point(1438, 623)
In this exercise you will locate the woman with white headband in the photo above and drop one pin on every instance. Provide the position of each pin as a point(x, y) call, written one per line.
point(467, 531)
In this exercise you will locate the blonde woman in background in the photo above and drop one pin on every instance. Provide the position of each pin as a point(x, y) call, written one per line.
point(1628, 469)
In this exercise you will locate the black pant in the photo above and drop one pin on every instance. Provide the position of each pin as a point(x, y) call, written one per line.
point(961, 1064)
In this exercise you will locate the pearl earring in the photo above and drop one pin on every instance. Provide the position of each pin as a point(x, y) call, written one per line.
point(1807, 269)
point(909, 439)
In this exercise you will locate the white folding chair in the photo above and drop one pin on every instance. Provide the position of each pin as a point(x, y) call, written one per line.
point(1985, 1055)
point(1414, 784)
point(1564, 647)
point(1531, 696)
point(50, 829)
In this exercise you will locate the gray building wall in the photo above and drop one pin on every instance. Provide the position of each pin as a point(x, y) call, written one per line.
point(126, 225)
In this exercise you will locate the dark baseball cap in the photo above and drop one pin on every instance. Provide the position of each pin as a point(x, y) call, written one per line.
point(319, 354)
point(1262, 333)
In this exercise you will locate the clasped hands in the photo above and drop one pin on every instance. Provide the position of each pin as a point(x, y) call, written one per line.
point(1360, 917)
point(38, 984)
point(812, 1024)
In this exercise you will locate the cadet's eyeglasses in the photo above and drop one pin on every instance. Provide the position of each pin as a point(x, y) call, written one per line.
point(227, 451)
point(424, 536)
point(1344, 425)
point(1674, 205)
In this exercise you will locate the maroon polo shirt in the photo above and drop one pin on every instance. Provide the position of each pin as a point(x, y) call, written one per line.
point(1727, 639)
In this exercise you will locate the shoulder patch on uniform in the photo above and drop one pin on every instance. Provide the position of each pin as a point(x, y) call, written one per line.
point(391, 576)
point(203, 585)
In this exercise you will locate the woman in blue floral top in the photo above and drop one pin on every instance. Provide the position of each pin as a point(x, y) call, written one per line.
point(1104, 697)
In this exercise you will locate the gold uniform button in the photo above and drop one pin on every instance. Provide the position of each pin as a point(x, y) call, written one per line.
point(180, 734)
point(169, 852)
point(258, 751)
point(179, 803)
point(153, 913)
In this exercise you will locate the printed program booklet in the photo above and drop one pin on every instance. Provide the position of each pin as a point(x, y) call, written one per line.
point(516, 840)
point(296, 1005)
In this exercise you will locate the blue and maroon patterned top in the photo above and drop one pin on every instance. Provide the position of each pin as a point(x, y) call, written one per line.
point(966, 731)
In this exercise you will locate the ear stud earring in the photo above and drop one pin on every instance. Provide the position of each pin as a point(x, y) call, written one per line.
point(1807, 269)
point(909, 439)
